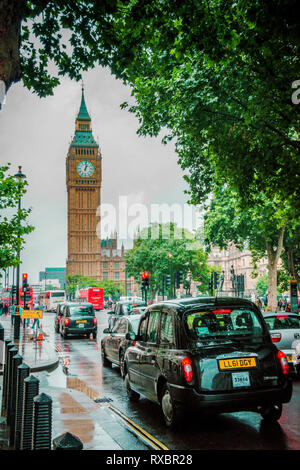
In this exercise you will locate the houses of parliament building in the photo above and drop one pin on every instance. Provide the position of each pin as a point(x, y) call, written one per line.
point(88, 255)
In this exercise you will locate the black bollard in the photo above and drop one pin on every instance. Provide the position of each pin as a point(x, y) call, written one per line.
point(42, 422)
point(17, 321)
point(8, 345)
point(23, 371)
point(16, 362)
point(11, 353)
point(1, 345)
point(31, 390)
point(67, 441)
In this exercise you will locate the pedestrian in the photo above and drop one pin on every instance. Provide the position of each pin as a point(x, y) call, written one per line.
point(12, 313)
point(5, 309)
point(285, 304)
point(36, 322)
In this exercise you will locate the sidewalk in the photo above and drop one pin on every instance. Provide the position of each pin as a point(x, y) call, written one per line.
point(38, 355)
point(72, 410)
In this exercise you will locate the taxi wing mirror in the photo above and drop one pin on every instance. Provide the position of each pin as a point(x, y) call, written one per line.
point(130, 336)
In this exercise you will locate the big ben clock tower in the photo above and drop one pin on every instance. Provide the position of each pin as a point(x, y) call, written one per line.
point(83, 178)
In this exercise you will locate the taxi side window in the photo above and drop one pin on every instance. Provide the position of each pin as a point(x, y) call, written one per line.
point(143, 329)
point(167, 337)
point(121, 327)
point(153, 326)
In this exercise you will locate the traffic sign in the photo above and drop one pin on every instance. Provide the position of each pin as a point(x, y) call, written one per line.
point(32, 314)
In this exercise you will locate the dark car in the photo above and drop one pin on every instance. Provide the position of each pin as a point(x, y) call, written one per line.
point(123, 308)
point(78, 319)
point(207, 353)
point(117, 340)
point(59, 313)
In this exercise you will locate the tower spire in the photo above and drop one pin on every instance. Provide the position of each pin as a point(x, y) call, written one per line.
point(83, 114)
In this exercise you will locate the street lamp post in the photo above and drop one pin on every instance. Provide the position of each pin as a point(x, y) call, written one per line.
point(171, 276)
point(19, 176)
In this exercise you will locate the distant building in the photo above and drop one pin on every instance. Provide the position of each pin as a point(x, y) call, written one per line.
point(242, 264)
point(113, 265)
point(53, 273)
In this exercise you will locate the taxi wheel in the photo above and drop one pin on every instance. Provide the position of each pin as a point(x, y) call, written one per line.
point(171, 413)
point(133, 396)
point(271, 413)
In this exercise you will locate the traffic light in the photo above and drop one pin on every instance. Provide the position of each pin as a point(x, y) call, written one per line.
point(179, 279)
point(210, 284)
point(24, 281)
point(216, 280)
point(168, 280)
point(145, 279)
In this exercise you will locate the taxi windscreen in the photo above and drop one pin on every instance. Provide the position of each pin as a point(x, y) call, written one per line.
point(223, 323)
point(82, 310)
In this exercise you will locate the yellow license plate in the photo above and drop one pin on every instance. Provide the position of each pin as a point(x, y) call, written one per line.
point(290, 357)
point(238, 363)
point(80, 321)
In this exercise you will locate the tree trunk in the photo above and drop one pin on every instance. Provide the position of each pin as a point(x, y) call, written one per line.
point(10, 27)
point(272, 287)
point(273, 258)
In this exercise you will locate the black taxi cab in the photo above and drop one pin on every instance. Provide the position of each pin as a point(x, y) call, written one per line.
point(78, 319)
point(207, 353)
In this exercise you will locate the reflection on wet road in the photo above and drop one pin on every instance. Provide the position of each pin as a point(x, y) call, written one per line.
point(82, 373)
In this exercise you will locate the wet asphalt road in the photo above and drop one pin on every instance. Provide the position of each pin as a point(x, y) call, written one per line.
point(235, 431)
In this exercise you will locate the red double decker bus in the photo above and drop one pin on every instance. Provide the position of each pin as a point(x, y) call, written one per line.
point(6, 297)
point(94, 295)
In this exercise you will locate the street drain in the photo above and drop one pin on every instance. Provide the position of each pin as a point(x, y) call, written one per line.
point(102, 400)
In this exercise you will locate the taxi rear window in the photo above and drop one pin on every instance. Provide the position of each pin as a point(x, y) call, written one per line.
point(83, 310)
point(222, 323)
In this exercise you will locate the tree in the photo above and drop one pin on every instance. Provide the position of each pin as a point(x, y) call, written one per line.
point(261, 229)
point(12, 227)
point(262, 285)
point(31, 38)
point(218, 76)
point(151, 252)
point(110, 288)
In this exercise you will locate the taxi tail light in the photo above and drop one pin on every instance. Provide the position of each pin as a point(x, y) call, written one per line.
point(67, 321)
point(283, 362)
point(222, 310)
point(276, 337)
point(58, 318)
point(187, 369)
point(133, 343)
point(95, 321)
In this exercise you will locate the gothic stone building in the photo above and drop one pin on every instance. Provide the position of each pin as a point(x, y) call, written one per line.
point(88, 255)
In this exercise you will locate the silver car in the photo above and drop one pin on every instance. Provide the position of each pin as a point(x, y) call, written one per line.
point(285, 332)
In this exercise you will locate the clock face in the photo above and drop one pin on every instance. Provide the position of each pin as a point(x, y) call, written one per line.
point(85, 168)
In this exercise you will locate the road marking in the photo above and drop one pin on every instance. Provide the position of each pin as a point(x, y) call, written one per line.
point(148, 438)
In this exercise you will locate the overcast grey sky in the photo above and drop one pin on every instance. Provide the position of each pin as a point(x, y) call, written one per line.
point(36, 134)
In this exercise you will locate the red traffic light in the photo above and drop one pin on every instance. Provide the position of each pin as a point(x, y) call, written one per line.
point(25, 276)
point(145, 275)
